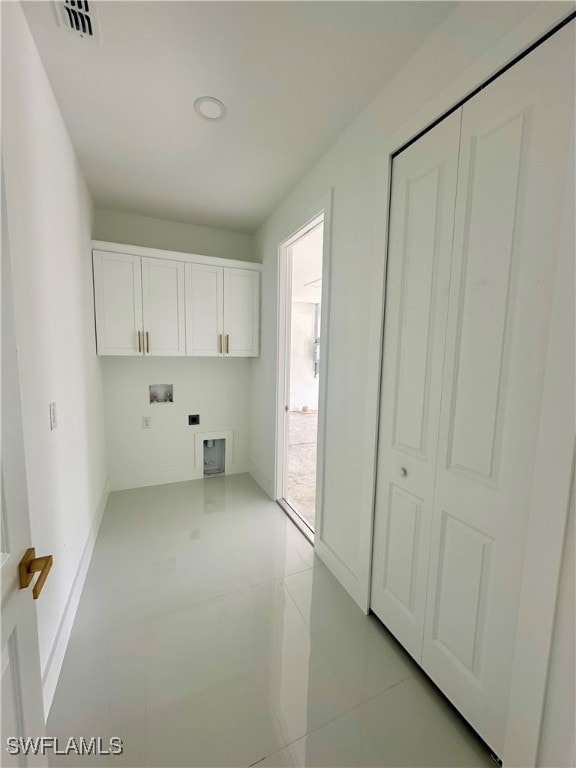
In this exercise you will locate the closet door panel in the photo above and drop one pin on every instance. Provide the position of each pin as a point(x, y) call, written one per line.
point(401, 546)
point(163, 301)
point(417, 286)
point(484, 311)
point(513, 155)
point(418, 297)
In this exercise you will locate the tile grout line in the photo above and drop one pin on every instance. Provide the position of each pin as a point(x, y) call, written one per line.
point(384, 690)
point(208, 600)
point(304, 735)
point(342, 714)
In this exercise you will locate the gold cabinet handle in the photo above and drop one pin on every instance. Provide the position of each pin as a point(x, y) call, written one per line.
point(227, 343)
point(139, 342)
point(220, 343)
point(29, 565)
point(147, 342)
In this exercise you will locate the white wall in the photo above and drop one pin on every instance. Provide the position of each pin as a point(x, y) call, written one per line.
point(218, 389)
point(558, 736)
point(49, 222)
point(557, 745)
point(472, 43)
point(130, 228)
point(303, 383)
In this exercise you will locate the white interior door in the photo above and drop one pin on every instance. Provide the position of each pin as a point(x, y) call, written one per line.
point(417, 286)
point(513, 159)
point(163, 307)
point(204, 310)
point(118, 301)
point(241, 309)
point(22, 708)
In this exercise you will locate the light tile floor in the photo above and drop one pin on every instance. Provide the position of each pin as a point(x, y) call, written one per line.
point(209, 634)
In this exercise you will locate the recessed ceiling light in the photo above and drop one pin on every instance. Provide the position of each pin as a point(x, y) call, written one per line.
point(210, 108)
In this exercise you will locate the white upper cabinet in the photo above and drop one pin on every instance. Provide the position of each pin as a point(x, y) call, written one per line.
point(139, 305)
point(241, 311)
point(148, 305)
point(163, 307)
point(118, 299)
point(222, 310)
point(204, 310)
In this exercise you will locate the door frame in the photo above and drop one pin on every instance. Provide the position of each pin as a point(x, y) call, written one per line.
point(319, 213)
point(556, 446)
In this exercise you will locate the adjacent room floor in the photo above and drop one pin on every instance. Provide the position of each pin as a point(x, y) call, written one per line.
point(209, 634)
point(302, 449)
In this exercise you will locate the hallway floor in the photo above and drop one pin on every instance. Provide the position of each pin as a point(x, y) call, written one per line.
point(209, 634)
point(302, 449)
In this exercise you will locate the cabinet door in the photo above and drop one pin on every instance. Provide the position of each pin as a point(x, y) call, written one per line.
point(241, 312)
point(513, 161)
point(204, 310)
point(417, 286)
point(118, 302)
point(163, 307)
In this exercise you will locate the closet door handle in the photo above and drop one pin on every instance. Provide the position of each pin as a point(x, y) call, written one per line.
point(29, 565)
point(220, 343)
point(139, 342)
point(147, 342)
point(227, 343)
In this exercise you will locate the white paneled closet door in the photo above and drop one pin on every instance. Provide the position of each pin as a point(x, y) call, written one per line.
point(513, 159)
point(465, 349)
point(418, 280)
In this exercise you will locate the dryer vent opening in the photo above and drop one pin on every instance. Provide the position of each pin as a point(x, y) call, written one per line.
point(214, 457)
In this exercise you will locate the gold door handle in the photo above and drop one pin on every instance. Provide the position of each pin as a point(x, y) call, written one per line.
point(227, 343)
point(139, 342)
point(220, 343)
point(147, 342)
point(29, 565)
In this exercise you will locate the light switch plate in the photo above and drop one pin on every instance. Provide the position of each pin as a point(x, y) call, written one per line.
point(53, 420)
point(146, 422)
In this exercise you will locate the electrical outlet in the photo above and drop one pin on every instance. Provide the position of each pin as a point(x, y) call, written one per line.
point(146, 422)
point(53, 420)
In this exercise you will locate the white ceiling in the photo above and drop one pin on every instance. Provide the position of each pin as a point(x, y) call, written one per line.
point(292, 74)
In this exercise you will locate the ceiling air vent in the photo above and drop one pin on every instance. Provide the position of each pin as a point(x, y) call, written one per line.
point(78, 16)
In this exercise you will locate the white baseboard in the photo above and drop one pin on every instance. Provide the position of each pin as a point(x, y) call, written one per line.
point(56, 658)
point(163, 477)
point(266, 485)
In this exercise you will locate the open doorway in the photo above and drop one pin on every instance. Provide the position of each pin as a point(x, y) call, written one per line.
point(300, 358)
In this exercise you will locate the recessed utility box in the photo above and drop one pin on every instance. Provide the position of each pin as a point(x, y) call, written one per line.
point(214, 457)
